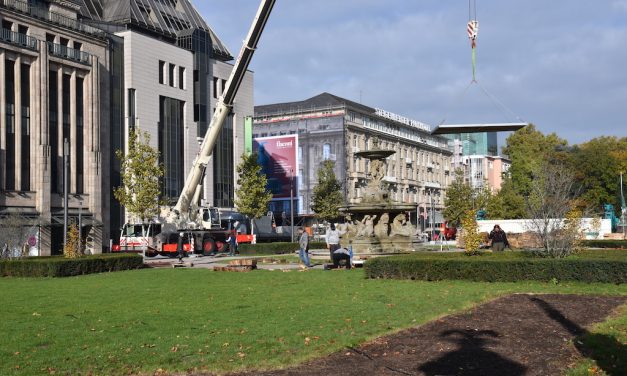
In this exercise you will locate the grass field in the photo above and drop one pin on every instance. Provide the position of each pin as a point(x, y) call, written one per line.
point(196, 319)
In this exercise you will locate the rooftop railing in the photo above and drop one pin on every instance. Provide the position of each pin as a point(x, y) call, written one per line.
point(18, 39)
point(44, 14)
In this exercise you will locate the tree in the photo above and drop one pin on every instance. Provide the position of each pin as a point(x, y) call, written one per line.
point(327, 194)
point(527, 149)
point(141, 175)
point(72, 248)
point(253, 196)
point(507, 203)
point(598, 164)
point(553, 208)
point(458, 199)
point(461, 198)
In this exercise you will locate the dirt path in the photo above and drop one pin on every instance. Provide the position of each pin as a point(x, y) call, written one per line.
point(513, 335)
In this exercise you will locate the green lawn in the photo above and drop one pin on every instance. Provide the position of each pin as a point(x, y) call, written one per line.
point(186, 319)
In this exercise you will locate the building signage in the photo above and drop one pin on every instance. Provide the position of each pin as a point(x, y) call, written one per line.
point(278, 158)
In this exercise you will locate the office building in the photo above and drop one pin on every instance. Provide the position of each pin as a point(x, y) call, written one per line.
point(333, 128)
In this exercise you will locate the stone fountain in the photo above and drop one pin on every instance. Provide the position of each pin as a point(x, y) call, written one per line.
point(377, 224)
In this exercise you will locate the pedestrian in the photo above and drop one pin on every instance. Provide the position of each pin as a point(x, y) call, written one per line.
point(498, 238)
point(232, 240)
point(303, 242)
point(341, 256)
point(333, 240)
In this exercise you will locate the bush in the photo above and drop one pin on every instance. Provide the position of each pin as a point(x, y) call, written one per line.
point(59, 266)
point(274, 248)
point(614, 244)
point(498, 269)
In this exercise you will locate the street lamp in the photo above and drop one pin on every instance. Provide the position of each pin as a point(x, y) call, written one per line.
point(66, 186)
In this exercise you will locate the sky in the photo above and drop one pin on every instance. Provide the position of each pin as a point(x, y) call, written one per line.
point(559, 64)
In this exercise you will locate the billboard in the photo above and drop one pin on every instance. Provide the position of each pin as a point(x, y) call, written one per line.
point(278, 158)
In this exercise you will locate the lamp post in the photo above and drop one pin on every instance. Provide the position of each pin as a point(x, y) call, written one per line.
point(80, 227)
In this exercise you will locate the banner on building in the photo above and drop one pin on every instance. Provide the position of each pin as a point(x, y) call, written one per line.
point(278, 158)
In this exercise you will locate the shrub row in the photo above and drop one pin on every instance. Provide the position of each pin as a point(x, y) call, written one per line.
point(614, 244)
point(274, 248)
point(59, 266)
point(495, 270)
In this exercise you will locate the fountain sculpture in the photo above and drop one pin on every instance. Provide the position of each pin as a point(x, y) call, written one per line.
point(377, 224)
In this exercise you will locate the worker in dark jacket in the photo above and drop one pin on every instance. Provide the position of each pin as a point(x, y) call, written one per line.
point(498, 238)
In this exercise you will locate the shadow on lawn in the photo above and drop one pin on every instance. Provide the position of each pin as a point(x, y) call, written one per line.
point(471, 358)
point(609, 354)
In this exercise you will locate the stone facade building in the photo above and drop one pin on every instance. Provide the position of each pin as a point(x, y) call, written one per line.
point(53, 78)
point(334, 128)
point(87, 71)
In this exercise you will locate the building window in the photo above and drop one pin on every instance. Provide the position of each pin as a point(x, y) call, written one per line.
point(25, 96)
point(9, 82)
point(215, 87)
point(53, 119)
point(223, 172)
point(66, 120)
point(132, 115)
point(171, 75)
point(326, 151)
point(171, 122)
point(80, 144)
point(181, 78)
point(161, 72)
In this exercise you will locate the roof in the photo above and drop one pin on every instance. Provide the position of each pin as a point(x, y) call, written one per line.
point(167, 17)
point(477, 128)
point(320, 101)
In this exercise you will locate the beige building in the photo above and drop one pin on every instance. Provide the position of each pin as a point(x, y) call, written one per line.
point(334, 128)
point(51, 90)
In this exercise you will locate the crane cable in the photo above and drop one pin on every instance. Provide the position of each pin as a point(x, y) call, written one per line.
point(473, 30)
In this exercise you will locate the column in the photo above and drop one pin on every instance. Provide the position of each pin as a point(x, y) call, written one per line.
point(73, 145)
point(59, 151)
point(18, 123)
point(39, 116)
point(2, 119)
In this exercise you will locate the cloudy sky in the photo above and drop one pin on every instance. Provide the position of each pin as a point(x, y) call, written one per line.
point(560, 64)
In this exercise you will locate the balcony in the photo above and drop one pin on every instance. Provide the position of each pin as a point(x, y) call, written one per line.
point(17, 39)
point(64, 52)
point(44, 14)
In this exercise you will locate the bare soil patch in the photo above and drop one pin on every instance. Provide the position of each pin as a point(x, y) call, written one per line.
point(512, 335)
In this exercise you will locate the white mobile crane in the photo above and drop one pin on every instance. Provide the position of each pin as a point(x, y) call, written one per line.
point(200, 227)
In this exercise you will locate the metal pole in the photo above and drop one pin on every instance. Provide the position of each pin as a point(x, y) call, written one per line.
point(66, 186)
point(80, 227)
point(292, 203)
point(623, 209)
point(432, 216)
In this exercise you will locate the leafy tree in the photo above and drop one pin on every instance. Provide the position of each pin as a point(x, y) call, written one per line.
point(72, 248)
point(507, 203)
point(471, 236)
point(527, 149)
point(141, 174)
point(461, 198)
point(598, 164)
point(327, 194)
point(253, 196)
point(458, 199)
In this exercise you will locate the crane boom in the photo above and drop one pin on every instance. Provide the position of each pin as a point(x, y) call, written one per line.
point(223, 107)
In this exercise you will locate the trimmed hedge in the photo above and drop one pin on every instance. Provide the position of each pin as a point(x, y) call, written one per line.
point(489, 269)
point(59, 266)
point(274, 248)
point(614, 244)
